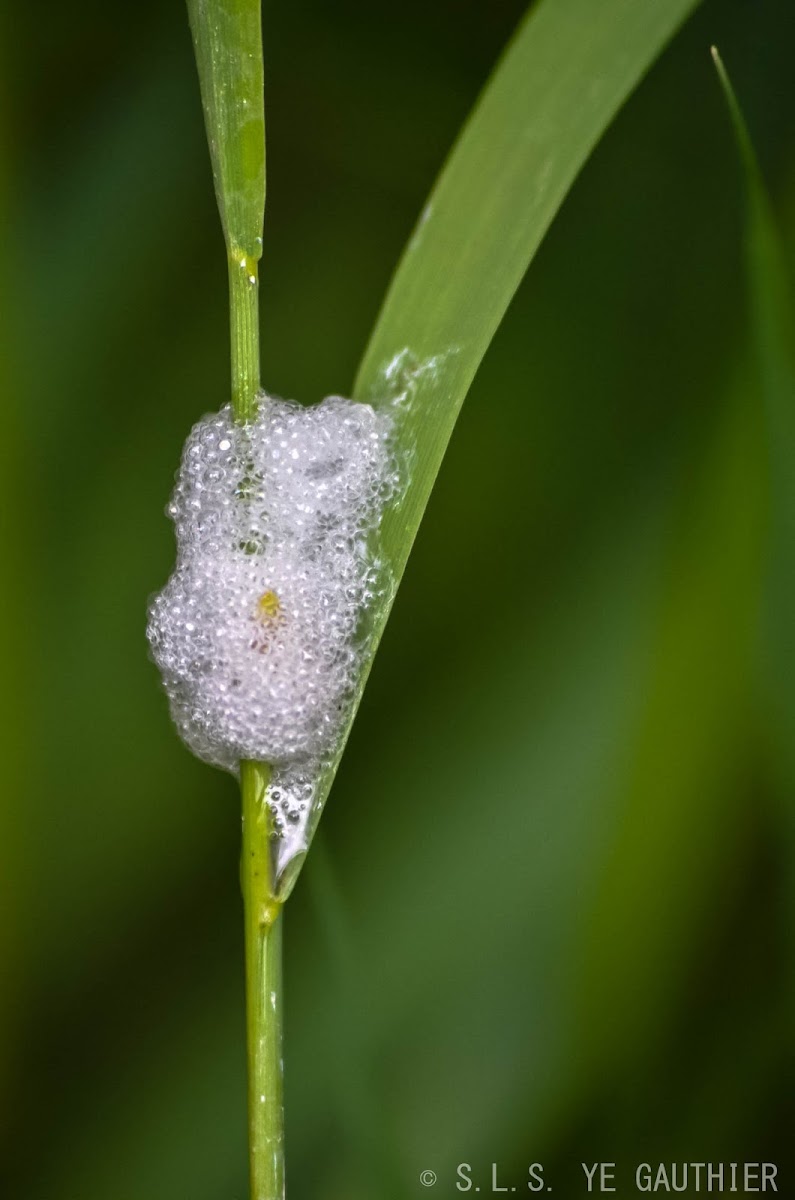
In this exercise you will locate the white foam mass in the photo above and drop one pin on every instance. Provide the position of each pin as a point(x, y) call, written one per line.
point(260, 631)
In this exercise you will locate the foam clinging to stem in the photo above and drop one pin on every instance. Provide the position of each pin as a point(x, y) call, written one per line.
point(259, 631)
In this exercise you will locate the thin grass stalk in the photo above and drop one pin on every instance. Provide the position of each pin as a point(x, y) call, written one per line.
point(227, 37)
point(263, 925)
point(244, 333)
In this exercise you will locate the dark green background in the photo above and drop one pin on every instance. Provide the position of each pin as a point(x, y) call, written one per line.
point(547, 918)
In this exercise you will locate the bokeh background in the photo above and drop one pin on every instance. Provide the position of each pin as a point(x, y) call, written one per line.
point(547, 918)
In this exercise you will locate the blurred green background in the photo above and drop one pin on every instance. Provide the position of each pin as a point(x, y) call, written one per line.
point(549, 916)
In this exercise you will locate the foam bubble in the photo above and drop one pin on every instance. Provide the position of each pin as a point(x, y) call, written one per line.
point(259, 633)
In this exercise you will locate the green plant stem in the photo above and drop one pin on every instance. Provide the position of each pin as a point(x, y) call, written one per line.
point(262, 919)
point(263, 926)
point(227, 37)
point(244, 333)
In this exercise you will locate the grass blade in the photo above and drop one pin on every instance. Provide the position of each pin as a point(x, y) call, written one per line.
point(771, 309)
point(550, 99)
point(773, 327)
point(228, 42)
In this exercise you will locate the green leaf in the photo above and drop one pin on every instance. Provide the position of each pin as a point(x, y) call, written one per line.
point(773, 326)
point(550, 99)
point(228, 38)
point(771, 298)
